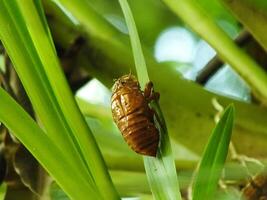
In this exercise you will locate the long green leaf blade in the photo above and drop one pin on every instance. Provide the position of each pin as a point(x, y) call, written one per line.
point(139, 58)
point(215, 154)
point(41, 146)
point(160, 171)
point(74, 120)
point(3, 189)
point(47, 88)
point(15, 37)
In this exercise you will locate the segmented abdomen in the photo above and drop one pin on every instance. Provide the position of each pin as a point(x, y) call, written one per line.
point(135, 121)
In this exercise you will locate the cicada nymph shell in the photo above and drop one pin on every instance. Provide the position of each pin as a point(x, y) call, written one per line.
point(133, 116)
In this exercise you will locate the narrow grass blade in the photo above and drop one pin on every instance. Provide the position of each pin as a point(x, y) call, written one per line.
point(18, 43)
point(56, 193)
point(215, 154)
point(3, 189)
point(139, 59)
point(198, 19)
point(26, 37)
point(45, 151)
point(160, 171)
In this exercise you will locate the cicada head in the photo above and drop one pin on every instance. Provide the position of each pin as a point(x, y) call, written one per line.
point(129, 81)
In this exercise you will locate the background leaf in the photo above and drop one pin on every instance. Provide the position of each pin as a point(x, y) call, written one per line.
point(36, 141)
point(3, 188)
point(56, 193)
point(189, 11)
point(252, 14)
point(214, 156)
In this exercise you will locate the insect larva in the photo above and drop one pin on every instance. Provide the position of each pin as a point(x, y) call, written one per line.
point(133, 115)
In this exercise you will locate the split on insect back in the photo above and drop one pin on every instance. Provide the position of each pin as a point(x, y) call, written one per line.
point(133, 115)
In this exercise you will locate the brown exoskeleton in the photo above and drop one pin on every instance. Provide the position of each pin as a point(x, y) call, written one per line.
point(133, 115)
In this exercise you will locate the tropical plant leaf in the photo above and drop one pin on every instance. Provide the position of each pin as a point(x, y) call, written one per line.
point(3, 188)
point(56, 193)
point(214, 156)
point(22, 26)
point(36, 141)
point(161, 170)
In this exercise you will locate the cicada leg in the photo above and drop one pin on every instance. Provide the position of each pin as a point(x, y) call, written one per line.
point(149, 93)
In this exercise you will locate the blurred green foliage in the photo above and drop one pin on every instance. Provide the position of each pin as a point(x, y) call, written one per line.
point(105, 55)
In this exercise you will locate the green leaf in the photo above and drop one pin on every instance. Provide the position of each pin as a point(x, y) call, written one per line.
point(29, 68)
point(215, 154)
point(56, 193)
point(217, 11)
point(139, 59)
point(3, 189)
point(160, 171)
point(253, 14)
point(40, 145)
point(199, 20)
point(35, 60)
